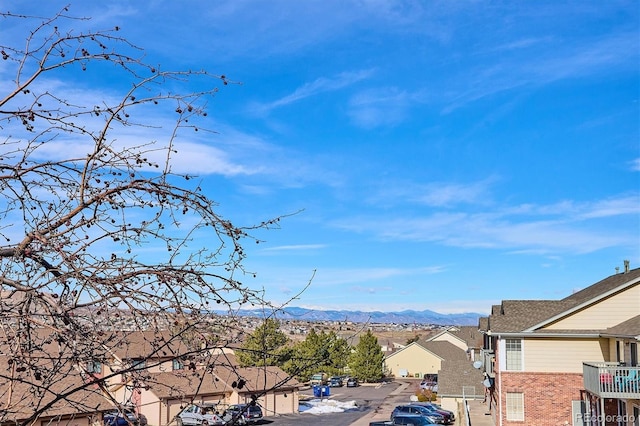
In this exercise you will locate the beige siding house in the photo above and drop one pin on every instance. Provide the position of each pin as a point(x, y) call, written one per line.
point(421, 358)
point(572, 361)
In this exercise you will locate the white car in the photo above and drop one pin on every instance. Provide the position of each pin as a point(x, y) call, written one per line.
point(204, 414)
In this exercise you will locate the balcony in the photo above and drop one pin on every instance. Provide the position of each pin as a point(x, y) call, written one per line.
point(611, 380)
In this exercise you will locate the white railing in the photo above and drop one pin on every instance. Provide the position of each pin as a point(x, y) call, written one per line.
point(611, 380)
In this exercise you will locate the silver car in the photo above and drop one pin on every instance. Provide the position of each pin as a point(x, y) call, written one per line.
point(204, 414)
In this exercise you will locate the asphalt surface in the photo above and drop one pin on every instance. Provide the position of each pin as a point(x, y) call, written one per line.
point(368, 399)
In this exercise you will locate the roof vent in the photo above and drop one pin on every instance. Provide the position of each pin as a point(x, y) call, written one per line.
point(626, 266)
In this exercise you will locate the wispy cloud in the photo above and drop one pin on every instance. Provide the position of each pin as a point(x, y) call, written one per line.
point(565, 227)
point(294, 248)
point(436, 194)
point(534, 64)
point(320, 85)
point(381, 107)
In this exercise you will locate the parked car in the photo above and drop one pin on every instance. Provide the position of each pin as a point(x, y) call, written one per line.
point(319, 379)
point(405, 419)
point(245, 413)
point(449, 416)
point(335, 381)
point(352, 382)
point(427, 385)
point(125, 416)
point(419, 410)
point(205, 414)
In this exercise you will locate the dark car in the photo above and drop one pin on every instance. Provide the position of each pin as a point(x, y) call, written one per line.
point(245, 413)
point(352, 382)
point(335, 382)
point(419, 410)
point(123, 417)
point(411, 419)
point(449, 416)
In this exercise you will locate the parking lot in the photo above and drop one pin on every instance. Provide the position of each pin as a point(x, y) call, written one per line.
point(368, 399)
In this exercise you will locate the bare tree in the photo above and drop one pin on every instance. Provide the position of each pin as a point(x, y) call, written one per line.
point(100, 232)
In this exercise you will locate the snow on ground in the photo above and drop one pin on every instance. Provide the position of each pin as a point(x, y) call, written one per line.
point(324, 406)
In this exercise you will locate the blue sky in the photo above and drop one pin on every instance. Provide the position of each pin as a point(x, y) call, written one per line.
point(442, 155)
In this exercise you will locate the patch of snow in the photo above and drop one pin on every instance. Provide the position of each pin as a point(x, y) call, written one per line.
point(324, 406)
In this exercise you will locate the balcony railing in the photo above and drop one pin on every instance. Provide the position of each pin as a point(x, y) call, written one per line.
point(611, 380)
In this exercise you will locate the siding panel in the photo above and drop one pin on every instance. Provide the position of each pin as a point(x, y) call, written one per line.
point(555, 355)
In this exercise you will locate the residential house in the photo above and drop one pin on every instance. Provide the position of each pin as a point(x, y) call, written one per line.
point(422, 358)
point(459, 380)
point(40, 383)
point(570, 361)
point(466, 337)
point(169, 374)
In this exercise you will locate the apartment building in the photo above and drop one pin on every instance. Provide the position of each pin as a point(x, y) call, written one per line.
point(572, 361)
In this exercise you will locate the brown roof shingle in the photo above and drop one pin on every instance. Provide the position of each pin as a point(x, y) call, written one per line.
point(456, 375)
point(519, 315)
point(445, 350)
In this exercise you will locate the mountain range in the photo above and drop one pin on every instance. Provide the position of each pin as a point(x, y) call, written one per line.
point(402, 317)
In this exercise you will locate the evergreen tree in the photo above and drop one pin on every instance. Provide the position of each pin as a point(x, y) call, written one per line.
point(366, 362)
point(318, 352)
point(267, 345)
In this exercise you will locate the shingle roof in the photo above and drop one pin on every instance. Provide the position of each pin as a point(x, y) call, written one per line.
point(19, 399)
point(469, 334)
point(186, 384)
point(445, 350)
point(483, 323)
point(603, 286)
point(147, 344)
point(629, 328)
point(454, 375)
point(519, 315)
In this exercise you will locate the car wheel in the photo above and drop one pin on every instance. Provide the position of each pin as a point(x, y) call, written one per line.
point(205, 423)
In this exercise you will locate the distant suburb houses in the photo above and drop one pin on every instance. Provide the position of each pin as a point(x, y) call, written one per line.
point(572, 361)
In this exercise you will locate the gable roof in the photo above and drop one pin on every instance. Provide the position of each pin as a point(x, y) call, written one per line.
point(469, 334)
point(604, 286)
point(513, 316)
point(444, 350)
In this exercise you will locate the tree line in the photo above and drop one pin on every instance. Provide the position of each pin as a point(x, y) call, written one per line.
point(322, 351)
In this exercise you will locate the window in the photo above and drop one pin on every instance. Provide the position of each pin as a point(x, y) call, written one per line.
point(633, 348)
point(513, 350)
point(515, 406)
point(94, 367)
point(177, 365)
point(139, 364)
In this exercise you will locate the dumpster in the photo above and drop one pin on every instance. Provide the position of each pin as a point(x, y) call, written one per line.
point(326, 390)
point(320, 391)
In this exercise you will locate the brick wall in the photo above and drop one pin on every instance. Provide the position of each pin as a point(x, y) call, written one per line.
point(547, 396)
